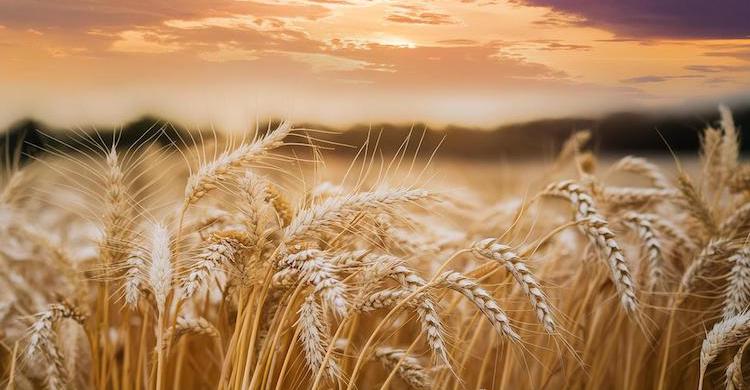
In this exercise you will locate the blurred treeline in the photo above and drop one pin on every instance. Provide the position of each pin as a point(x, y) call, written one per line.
point(625, 132)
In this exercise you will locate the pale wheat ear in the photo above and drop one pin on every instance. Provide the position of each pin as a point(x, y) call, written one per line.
point(229, 163)
point(483, 301)
point(724, 334)
point(571, 147)
point(408, 367)
point(42, 340)
point(503, 254)
point(737, 297)
point(643, 226)
point(696, 205)
point(596, 228)
point(643, 167)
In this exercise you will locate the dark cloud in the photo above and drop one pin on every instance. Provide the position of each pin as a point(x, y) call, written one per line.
point(658, 18)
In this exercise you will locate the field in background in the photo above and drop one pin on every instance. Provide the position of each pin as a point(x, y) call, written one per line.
point(261, 265)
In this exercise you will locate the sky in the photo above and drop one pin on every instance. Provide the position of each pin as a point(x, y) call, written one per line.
point(229, 63)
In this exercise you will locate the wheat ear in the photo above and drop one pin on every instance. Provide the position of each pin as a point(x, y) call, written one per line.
point(631, 197)
point(116, 211)
point(702, 264)
point(503, 254)
point(312, 336)
point(43, 340)
point(314, 268)
point(739, 181)
point(253, 193)
point(340, 209)
point(160, 267)
point(641, 223)
point(734, 369)
point(409, 369)
point(725, 334)
point(481, 299)
point(282, 205)
point(736, 222)
point(730, 143)
point(737, 296)
point(596, 228)
point(643, 167)
point(382, 299)
point(712, 169)
point(227, 165)
point(426, 310)
point(134, 279)
point(195, 326)
point(222, 250)
point(696, 205)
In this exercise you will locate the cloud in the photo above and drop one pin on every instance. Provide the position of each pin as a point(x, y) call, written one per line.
point(103, 14)
point(458, 42)
point(415, 14)
point(554, 44)
point(717, 68)
point(141, 41)
point(741, 53)
point(480, 68)
point(657, 79)
point(682, 19)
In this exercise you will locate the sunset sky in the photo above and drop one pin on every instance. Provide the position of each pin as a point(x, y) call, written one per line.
point(478, 63)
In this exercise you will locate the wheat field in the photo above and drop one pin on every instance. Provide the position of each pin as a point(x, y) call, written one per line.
point(260, 263)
